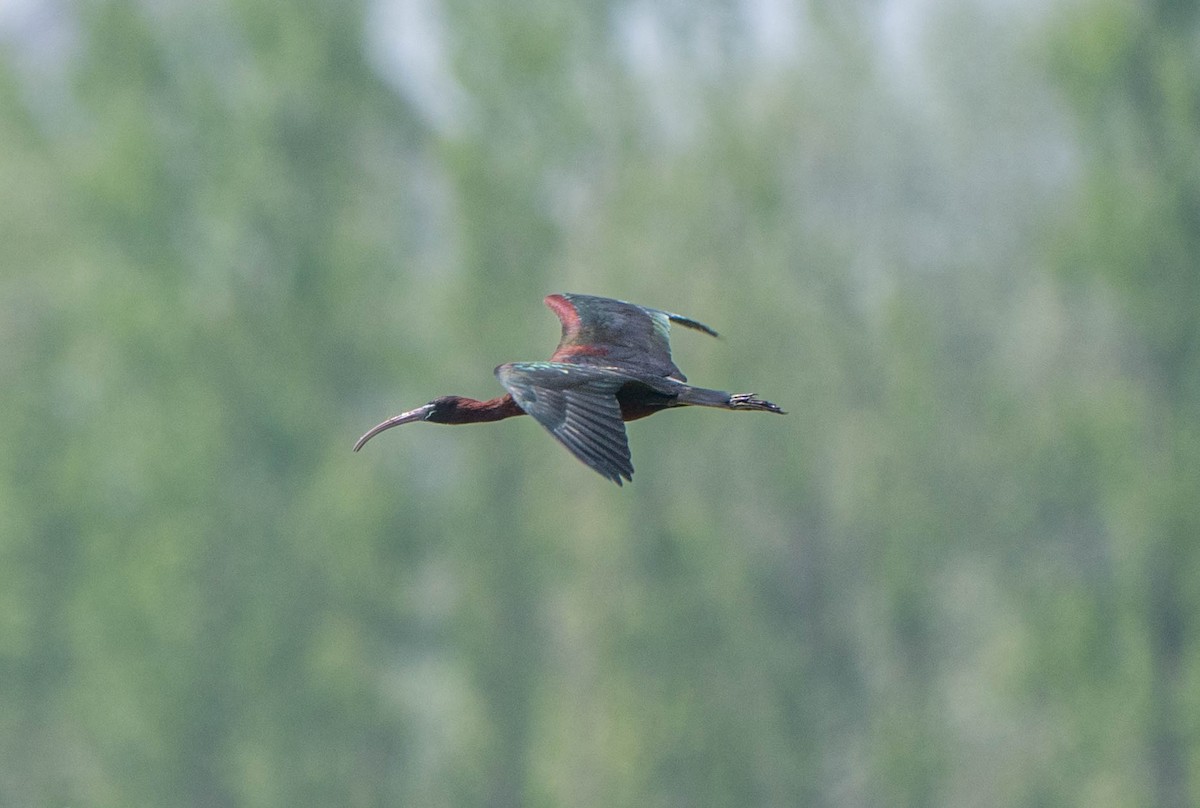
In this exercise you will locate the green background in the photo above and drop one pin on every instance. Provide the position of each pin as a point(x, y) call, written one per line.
point(958, 242)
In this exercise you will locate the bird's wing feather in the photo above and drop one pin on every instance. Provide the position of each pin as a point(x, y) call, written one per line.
point(603, 331)
point(578, 406)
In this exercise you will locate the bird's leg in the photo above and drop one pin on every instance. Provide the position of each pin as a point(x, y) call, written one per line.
point(702, 397)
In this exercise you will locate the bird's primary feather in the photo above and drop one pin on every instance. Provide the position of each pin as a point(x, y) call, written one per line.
point(578, 406)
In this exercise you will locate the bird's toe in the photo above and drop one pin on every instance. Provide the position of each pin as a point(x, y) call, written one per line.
point(749, 401)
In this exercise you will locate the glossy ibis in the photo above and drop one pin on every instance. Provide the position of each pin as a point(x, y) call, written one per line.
point(613, 364)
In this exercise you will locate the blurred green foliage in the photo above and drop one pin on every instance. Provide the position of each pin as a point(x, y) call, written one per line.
point(959, 246)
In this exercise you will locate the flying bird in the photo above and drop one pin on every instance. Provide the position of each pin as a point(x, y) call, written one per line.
point(613, 364)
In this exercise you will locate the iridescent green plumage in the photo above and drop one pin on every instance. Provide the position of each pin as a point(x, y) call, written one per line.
point(600, 330)
point(578, 405)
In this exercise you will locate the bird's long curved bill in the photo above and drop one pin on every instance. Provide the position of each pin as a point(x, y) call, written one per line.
point(396, 420)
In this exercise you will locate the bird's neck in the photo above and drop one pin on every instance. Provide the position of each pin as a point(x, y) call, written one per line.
point(470, 411)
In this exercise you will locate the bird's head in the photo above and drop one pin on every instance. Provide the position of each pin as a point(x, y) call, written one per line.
point(441, 410)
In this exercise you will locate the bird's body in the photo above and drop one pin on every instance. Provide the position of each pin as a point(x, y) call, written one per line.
point(613, 364)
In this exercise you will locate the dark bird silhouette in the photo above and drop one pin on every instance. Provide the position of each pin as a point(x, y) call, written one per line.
point(613, 364)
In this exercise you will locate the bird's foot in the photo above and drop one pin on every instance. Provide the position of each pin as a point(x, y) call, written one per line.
point(747, 401)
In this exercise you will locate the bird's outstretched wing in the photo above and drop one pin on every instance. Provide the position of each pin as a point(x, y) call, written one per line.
point(602, 331)
point(578, 405)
